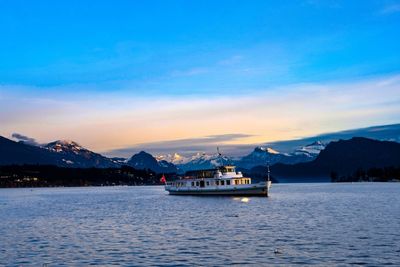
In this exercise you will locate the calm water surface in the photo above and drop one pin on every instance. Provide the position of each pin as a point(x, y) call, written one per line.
point(321, 224)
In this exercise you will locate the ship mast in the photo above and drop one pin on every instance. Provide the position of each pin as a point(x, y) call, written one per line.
point(268, 172)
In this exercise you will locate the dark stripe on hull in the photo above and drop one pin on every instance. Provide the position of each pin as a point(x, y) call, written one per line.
point(237, 192)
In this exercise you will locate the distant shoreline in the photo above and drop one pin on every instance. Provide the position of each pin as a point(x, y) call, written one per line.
point(19, 176)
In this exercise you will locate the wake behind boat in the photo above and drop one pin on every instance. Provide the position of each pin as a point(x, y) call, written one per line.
point(223, 180)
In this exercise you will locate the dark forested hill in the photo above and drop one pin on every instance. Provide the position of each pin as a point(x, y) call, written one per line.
point(143, 160)
point(343, 157)
point(19, 153)
point(60, 153)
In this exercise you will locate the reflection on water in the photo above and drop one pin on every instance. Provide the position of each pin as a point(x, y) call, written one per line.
point(326, 224)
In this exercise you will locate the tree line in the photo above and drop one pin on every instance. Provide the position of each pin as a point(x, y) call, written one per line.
point(385, 174)
point(49, 175)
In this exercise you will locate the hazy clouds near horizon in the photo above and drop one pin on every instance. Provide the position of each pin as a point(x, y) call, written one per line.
point(209, 145)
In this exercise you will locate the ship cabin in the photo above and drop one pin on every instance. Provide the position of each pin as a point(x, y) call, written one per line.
point(221, 177)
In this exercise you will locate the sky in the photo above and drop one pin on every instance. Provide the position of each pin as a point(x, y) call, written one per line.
point(129, 75)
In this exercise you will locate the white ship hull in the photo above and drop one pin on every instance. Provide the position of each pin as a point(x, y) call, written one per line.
point(261, 189)
point(222, 181)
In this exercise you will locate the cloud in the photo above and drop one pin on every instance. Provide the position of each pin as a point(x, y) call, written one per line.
point(189, 146)
point(23, 138)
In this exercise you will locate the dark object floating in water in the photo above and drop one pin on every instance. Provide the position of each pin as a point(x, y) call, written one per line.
point(277, 251)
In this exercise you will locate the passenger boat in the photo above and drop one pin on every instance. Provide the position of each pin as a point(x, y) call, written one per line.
point(224, 180)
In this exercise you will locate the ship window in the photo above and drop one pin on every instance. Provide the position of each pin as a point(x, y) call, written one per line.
point(228, 182)
point(208, 183)
point(217, 182)
point(197, 183)
point(192, 183)
point(222, 182)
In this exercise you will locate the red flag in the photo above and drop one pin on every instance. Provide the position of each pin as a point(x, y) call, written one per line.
point(163, 180)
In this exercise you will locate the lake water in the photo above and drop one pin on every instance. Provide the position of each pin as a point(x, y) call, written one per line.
point(322, 224)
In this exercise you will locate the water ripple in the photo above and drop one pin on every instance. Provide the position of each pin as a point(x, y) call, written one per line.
point(300, 224)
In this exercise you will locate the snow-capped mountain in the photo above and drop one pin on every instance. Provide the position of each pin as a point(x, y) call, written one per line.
point(312, 150)
point(259, 156)
point(74, 155)
point(204, 161)
point(174, 158)
point(262, 156)
point(65, 146)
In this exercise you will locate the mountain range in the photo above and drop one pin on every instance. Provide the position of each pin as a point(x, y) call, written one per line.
point(65, 153)
point(289, 152)
point(267, 155)
point(259, 156)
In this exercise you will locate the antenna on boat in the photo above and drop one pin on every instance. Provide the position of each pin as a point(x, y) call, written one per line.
point(268, 172)
point(220, 162)
point(219, 153)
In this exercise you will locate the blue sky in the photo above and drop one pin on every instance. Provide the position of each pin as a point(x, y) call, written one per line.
point(178, 47)
point(183, 50)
